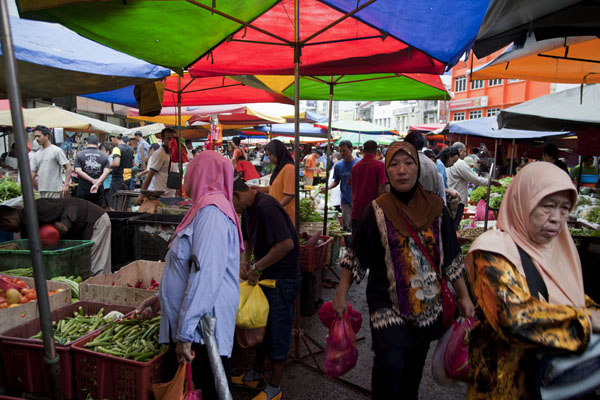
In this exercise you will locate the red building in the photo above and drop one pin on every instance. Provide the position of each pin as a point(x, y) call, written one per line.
point(485, 98)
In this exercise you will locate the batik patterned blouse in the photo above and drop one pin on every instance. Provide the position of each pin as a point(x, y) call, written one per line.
point(514, 327)
point(403, 290)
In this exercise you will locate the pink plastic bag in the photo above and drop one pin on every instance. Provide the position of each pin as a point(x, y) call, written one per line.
point(456, 356)
point(340, 351)
point(480, 213)
point(327, 316)
point(192, 394)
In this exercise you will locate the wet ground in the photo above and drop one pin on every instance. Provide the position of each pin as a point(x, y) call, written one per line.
point(301, 382)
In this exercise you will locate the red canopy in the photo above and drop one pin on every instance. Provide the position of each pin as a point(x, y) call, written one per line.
point(214, 91)
point(349, 47)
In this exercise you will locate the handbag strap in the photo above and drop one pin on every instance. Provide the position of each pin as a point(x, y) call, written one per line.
point(534, 279)
point(420, 245)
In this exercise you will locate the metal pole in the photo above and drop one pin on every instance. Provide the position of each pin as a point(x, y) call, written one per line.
point(31, 220)
point(489, 184)
point(580, 173)
point(327, 156)
point(297, 112)
point(180, 163)
point(512, 156)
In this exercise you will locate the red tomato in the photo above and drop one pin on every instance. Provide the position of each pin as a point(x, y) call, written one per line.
point(23, 300)
point(26, 291)
point(21, 283)
point(31, 296)
point(3, 305)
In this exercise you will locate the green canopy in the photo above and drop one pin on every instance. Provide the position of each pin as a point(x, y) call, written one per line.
point(171, 33)
point(358, 139)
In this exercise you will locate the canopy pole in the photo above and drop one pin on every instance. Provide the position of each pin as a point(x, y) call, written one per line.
point(580, 173)
point(512, 156)
point(180, 162)
point(297, 112)
point(466, 140)
point(30, 209)
point(487, 201)
point(327, 157)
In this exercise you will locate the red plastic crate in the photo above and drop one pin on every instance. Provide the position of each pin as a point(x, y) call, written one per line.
point(313, 257)
point(103, 376)
point(27, 372)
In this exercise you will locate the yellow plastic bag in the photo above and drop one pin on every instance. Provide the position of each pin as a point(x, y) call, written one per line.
point(253, 310)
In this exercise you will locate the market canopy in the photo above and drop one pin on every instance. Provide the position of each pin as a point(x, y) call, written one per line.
point(364, 87)
point(306, 129)
point(55, 117)
point(363, 127)
point(509, 21)
point(54, 61)
point(408, 35)
point(562, 60)
point(436, 128)
point(488, 128)
point(198, 92)
point(146, 130)
point(358, 139)
point(568, 110)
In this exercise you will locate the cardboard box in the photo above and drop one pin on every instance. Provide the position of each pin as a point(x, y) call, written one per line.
point(15, 316)
point(113, 288)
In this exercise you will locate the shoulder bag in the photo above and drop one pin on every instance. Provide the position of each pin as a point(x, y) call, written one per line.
point(562, 376)
point(448, 300)
point(172, 177)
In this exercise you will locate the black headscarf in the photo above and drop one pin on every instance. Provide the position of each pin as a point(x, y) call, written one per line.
point(282, 154)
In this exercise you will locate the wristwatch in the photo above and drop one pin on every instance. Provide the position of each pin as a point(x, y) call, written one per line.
point(255, 270)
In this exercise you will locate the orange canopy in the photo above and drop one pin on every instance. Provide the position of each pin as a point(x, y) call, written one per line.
point(574, 60)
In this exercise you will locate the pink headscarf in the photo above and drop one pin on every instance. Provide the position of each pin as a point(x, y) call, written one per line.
point(209, 181)
point(558, 261)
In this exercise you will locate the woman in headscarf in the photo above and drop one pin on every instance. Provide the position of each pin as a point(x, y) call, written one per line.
point(527, 279)
point(282, 183)
point(202, 270)
point(403, 289)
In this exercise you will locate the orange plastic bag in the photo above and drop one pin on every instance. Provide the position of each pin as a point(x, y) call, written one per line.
point(176, 388)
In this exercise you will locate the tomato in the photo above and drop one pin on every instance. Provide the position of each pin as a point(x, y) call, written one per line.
point(23, 300)
point(31, 296)
point(3, 305)
point(26, 291)
point(21, 283)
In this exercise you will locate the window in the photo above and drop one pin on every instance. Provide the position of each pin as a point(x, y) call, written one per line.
point(514, 80)
point(460, 84)
point(475, 114)
point(493, 112)
point(459, 116)
point(495, 82)
point(477, 84)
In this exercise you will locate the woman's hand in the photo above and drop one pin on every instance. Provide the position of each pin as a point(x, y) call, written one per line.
point(183, 350)
point(595, 317)
point(466, 307)
point(148, 308)
point(339, 304)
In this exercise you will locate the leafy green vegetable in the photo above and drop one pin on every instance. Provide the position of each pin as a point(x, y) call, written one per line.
point(307, 212)
point(9, 189)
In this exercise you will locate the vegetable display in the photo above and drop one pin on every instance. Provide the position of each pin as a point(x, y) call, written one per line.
point(72, 328)
point(72, 282)
point(9, 189)
point(25, 272)
point(130, 338)
point(16, 292)
point(584, 232)
point(496, 193)
point(307, 211)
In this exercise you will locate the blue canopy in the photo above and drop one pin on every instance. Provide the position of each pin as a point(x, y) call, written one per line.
point(55, 61)
point(444, 30)
point(488, 128)
point(122, 96)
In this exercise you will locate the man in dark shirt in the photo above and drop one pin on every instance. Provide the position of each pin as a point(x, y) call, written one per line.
point(550, 154)
point(121, 165)
point(75, 219)
point(92, 167)
point(270, 235)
